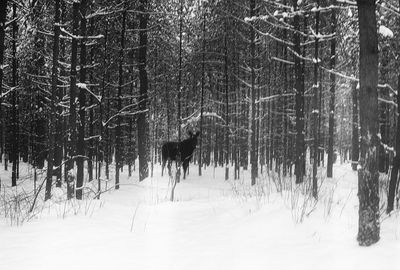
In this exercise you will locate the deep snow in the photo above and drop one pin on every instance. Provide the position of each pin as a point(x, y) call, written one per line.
point(212, 224)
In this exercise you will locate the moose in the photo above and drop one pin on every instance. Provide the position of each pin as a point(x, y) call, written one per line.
point(173, 150)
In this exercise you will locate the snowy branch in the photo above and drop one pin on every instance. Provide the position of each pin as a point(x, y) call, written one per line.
point(282, 60)
point(265, 99)
point(122, 113)
point(84, 86)
point(390, 102)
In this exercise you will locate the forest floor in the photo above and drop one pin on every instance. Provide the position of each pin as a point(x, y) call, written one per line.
point(212, 224)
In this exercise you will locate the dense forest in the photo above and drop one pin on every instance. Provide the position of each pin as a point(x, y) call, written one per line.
point(89, 88)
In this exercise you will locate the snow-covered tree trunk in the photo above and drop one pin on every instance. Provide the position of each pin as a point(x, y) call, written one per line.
point(315, 112)
point(253, 152)
point(118, 130)
point(179, 89)
point(355, 146)
point(143, 121)
point(299, 97)
point(54, 90)
point(72, 97)
point(329, 170)
point(60, 144)
point(237, 111)
point(81, 145)
point(102, 153)
point(202, 88)
point(3, 19)
point(91, 141)
point(14, 97)
point(226, 84)
point(396, 161)
point(368, 176)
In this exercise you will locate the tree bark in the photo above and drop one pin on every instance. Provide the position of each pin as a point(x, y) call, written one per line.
point(179, 116)
point(118, 131)
point(142, 121)
point(316, 112)
point(54, 90)
point(355, 148)
point(14, 124)
point(60, 127)
point(368, 176)
point(396, 161)
point(102, 143)
point(329, 170)
point(91, 142)
point(226, 81)
point(81, 145)
point(72, 96)
point(299, 106)
point(3, 19)
point(202, 89)
point(253, 152)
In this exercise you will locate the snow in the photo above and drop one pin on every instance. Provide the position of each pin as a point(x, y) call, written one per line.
point(213, 224)
point(82, 85)
point(386, 32)
point(349, 12)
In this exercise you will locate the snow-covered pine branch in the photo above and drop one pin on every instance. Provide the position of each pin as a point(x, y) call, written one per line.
point(347, 2)
point(282, 60)
point(63, 30)
point(390, 8)
point(269, 98)
point(390, 102)
point(122, 113)
point(84, 86)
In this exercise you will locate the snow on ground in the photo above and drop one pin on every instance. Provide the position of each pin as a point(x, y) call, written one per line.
point(212, 224)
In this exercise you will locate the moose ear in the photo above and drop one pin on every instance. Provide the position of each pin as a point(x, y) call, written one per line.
point(190, 133)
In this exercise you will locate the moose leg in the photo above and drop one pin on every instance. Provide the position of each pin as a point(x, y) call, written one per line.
point(163, 166)
point(169, 167)
point(185, 167)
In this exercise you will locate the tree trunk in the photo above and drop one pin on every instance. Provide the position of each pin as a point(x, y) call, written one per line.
point(368, 176)
point(253, 152)
point(3, 19)
point(226, 77)
point(142, 121)
point(54, 91)
point(101, 148)
point(59, 125)
point(315, 112)
point(72, 96)
point(355, 152)
point(131, 130)
point(396, 161)
point(63, 92)
point(91, 142)
point(118, 132)
point(202, 90)
point(329, 170)
point(81, 145)
point(14, 124)
point(299, 106)
point(179, 116)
